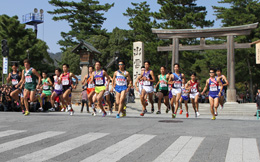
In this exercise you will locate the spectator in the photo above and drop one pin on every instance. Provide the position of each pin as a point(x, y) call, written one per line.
point(258, 100)
point(84, 97)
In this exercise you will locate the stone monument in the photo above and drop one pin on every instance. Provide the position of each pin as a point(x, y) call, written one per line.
point(138, 61)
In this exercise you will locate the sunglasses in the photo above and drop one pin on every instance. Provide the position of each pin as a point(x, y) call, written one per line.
point(120, 64)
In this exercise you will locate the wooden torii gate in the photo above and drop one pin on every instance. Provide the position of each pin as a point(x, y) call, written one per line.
point(229, 32)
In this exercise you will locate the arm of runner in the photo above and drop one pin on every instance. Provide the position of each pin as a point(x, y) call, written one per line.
point(77, 81)
point(129, 80)
point(8, 78)
point(108, 79)
point(50, 82)
point(205, 88)
point(84, 79)
point(113, 82)
point(153, 78)
point(38, 75)
point(183, 77)
point(199, 85)
point(221, 86)
point(188, 87)
point(225, 79)
point(158, 81)
point(22, 80)
point(170, 81)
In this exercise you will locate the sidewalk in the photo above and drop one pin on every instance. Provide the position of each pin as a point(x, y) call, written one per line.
point(231, 111)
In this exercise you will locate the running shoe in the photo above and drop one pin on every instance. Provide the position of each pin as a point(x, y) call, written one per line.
point(158, 112)
point(52, 109)
point(123, 114)
point(142, 114)
point(213, 118)
point(104, 114)
point(152, 110)
point(198, 114)
point(216, 113)
point(100, 111)
point(62, 110)
point(173, 115)
point(167, 110)
point(117, 116)
point(40, 109)
point(181, 111)
point(69, 107)
point(23, 111)
point(71, 112)
point(145, 111)
point(26, 113)
point(187, 115)
point(94, 114)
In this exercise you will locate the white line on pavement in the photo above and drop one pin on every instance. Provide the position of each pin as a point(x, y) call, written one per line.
point(10, 132)
point(120, 149)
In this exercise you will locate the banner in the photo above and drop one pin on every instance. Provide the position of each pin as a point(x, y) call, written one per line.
point(5, 65)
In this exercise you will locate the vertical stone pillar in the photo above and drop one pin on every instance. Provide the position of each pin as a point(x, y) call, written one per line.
point(175, 52)
point(231, 91)
point(138, 61)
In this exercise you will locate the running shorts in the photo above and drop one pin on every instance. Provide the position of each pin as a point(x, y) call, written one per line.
point(89, 90)
point(98, 89)
point(185, 98)
point(119, 89)
point(176, 91)
point(193, 95)
point(47, 93)
point(164, 92)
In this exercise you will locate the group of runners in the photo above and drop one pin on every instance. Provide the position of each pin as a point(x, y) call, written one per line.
point(173, 88)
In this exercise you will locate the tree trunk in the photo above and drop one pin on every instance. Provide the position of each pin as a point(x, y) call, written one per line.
point(250, 82)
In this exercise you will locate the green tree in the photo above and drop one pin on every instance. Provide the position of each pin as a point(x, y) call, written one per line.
point(72, 59)
point(85, 19)
point(240, 13)
point(20, 40)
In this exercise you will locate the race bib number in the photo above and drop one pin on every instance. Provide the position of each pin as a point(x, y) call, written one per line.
point(28, 79)
point(193, 90)
point(45, 87)
point(177, 84)
point(91, 85)
point(99, 81)
point(14, 81)
point(58, 86)
point(163, 84)
point(147, 83)
point(65, 81)
point(213, 88)
point(120, 82)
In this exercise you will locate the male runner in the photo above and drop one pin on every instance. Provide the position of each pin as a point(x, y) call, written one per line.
point(29, 76)
point(185, 98)
point(87, 81)
point(58, 89)
point(214, 93)
point(66, 80)
point(148, 78)
point(46, 90)
point(15, 77)
point(107, 93)
point(194, 86)
point(120, 81)
point(176, 80)
point(224, 81)
point(100, 88)
point(163, 89)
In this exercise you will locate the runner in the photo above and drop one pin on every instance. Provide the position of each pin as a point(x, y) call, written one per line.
point(58, 90)
point(170, 95)
point(163, 89)
point(46, 90)
point(66, 80)
point(15, 78)
point(185, 98)
point(139, 87)
point(88, 81)
point(148, 78)
point(176, 80)
point(120, 82)
point(214, 93)
point(29, 76)
point(107, 93)
point(194, 86)
point(100, 88)
point(225, 83)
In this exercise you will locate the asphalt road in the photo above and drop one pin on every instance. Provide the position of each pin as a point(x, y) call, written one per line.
point(56, 136)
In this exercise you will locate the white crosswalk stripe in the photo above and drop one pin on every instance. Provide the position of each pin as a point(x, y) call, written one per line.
point(181, 150)
point(27, 140)
point(242, 150)
point(58, 149)
point(120, 149)
point(10, 132)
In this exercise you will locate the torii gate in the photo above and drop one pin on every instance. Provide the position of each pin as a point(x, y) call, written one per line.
point(229, 32)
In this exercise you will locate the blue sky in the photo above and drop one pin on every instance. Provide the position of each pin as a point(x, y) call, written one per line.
point(50, 30)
